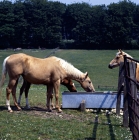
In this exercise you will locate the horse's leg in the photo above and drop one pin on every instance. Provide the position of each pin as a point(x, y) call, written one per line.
point(21, 91)
point(49, 95)
point(14, 95)
point(56, 90)
point(26, 94)
point(10, 89)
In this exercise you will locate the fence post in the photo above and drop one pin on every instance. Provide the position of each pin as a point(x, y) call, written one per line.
point(126, 90)
point(133, 120)
point(120, 87)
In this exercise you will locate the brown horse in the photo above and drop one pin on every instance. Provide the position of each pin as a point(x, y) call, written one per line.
point(53, 71)
point(26, 85)
point(120, 58)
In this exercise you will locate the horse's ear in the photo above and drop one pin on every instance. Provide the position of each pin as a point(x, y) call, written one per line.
point(120, 51)
point(86, 74)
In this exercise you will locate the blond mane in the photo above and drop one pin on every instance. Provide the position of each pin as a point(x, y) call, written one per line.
point(123, 53)
point(69, 68)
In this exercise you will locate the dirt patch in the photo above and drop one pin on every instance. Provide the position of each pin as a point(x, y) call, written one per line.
point(40, 111)
point(52, 114)
point(43, 113)
point(66, 114)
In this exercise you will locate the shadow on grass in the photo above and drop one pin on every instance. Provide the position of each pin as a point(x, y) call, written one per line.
point(36, 108)
point(108, 123)
point(2, 108)
point(14, 108)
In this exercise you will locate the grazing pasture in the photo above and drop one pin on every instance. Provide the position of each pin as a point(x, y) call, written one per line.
point(37, 124)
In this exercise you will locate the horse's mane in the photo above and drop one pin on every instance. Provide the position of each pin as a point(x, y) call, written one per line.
point(118, 53)
point(69, 68)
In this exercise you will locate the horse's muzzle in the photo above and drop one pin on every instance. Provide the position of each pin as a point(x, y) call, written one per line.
point(93, 90)
point(110, 67)
point(90, 90)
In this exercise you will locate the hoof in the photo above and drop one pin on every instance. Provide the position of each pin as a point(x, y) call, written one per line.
point(59, 110)
point(53, 107)
point(27, 107)
point(11, 111)
point(49, 110)
point(19, 109)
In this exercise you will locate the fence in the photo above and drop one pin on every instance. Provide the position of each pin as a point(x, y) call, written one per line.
point(128, 84)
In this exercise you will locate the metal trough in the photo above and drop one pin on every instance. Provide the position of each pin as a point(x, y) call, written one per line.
point(92, 100)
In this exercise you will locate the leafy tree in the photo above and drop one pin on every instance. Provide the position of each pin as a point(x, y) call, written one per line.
point(43, 23)
point(77, 23)
point(119, 31)
point(20, 25)
point(35, 13)
point(6, 23)
point(55, 12)
point(135, 28)
point(98, 26)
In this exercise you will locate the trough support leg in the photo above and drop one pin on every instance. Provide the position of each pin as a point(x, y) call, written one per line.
point(82, 106)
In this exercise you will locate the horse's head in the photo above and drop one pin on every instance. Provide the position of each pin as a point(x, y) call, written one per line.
point(86, 83)
point(118, 59)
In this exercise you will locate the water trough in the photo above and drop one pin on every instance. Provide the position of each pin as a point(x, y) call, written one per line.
point(101, 99)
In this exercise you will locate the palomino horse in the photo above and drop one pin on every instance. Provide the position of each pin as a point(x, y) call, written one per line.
point(120, 58)
point(26, 85)
point(53, 71)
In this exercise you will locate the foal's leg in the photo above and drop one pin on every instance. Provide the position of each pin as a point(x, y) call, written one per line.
point(51, 100)
point(26, 94)
point(21, 91)
point(49, 95)
point(56, 90)
point(25, 87)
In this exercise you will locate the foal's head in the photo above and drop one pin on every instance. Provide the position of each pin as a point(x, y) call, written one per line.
point(118, 59)
point(69, 84)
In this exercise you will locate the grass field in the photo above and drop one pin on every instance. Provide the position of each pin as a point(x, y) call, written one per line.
point(37, 124)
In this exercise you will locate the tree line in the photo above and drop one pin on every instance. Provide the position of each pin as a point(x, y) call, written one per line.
point(48, 24)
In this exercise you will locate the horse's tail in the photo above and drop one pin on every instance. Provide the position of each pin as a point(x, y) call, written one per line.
point(4, 72)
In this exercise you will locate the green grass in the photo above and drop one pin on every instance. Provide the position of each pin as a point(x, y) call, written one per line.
point(37, 124)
